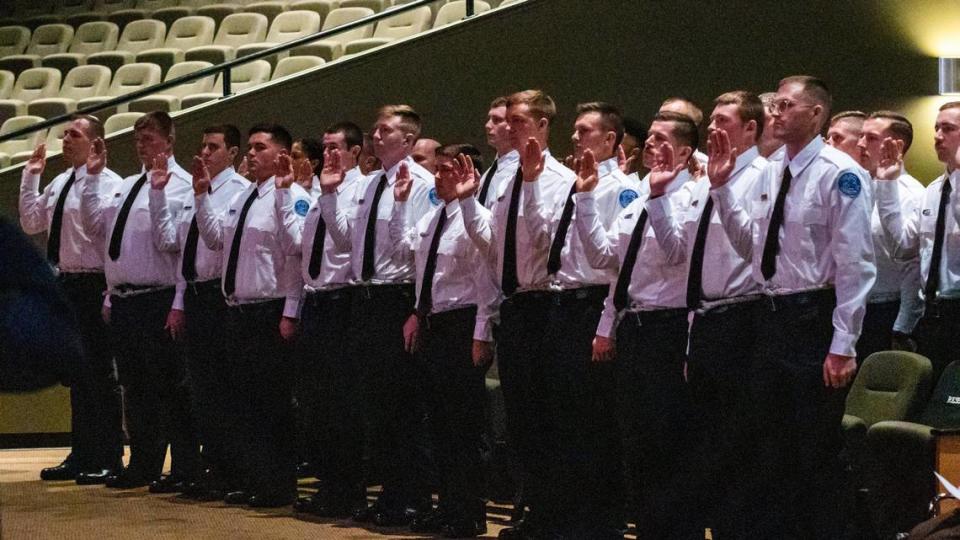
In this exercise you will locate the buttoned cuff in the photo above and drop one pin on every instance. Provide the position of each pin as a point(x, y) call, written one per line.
point(659, 208)
point(608, 324)
point(200, 198)
point(483, 330)
point(724, 196)
point(283, 199)
point(178, 296)
point(843, 343)
point(158, 199)
point(887, 190)
point(291, 307)
point(469, 208)
point(106, 301)
point(30, 180)
point(531, 192)
point(585, 203)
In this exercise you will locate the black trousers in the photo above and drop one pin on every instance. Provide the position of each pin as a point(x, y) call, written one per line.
point(528, 401)
point(797, 473)
point(208, 366)
point(655, 419)
point(156, 388)
point(260, 398)
point(938, 331)
point(392, 394)
point(877, 334)
point(96, 432)
point(719, 367)
point(588, 460)
point(328, 391)
point(456, 394)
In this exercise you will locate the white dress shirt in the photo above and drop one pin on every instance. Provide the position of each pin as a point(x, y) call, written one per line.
point(264, 271)
point(224, 187)
point(659, 278)
point(336, 270)
point(392, 264)
point(825, 237)
point(461, 278)
point(506, 169)
point(80, 251)
point(911, 233)
point(898, 279)
point(148, 257)
point(538, 213)
point(725, 273)
point(614, 192)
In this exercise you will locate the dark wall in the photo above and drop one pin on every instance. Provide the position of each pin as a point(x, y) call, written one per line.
point(633, 53)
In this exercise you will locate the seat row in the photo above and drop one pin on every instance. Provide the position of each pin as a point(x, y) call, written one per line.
point(192, 38)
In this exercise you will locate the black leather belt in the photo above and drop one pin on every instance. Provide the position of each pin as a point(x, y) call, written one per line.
point(641, 318)
point(800, 299)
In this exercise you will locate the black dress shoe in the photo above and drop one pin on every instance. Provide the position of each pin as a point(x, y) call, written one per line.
point(464, 528)
point(64, 471)
point(168, 484)
point(399, 516)
point(126, 479)
point(365, 514)
point(91, 478)
point(237, 497)
point(430, 522)
point(271, 501)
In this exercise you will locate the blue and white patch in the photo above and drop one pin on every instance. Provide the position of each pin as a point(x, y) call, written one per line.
point(301, 207)
point(434, 198)
point(627, 196)
point(849, 185)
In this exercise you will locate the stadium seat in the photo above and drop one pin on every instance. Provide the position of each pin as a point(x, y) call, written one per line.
point(91, 38)
point(242, 78)
point(287, 26)
point(23, 143)
point(169, 100)
point(406, 24)
point(332, 47)
point(295, 64)
point(13, 40)
point(54, 138)
point(47, 39)
point(269, 9)
point(34, 83)
point(457, 10)
point(120, 121)
point(128, 78)
point(184, 9)
point(136, 37)
point(376, 5)
point(80, 83)
point(143, 10)
point(320, 7)
point(7, 78)
point(185, 33)
point(217, 12)
point(235, 30)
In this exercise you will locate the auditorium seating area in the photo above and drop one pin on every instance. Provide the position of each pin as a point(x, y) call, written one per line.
point(60, 55)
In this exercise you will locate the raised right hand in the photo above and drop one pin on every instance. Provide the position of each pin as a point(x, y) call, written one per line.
point(722, 158)
point(587, 176)
point(891, 159)
point(332, 174)
point(38, 161)
point(201, 176)
point(468, 178)
point(532, 161)
point(97, 159)
point(284, 177)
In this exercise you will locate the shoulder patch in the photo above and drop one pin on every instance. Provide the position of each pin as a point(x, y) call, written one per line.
point(434, 198)
point(627, 196)
point(849, 184)
point(301, 207)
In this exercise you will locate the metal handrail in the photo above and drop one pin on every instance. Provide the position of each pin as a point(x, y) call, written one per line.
point(225, 67)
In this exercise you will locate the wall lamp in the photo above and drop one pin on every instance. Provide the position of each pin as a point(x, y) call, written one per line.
point(949, 76)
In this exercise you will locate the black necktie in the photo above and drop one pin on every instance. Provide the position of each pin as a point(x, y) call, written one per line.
point(486, 184)
point(508, 281)
point(695, 278)
point(316, 252)
point(426, 289)
point(556, 248)
point(370, 237)
point(56, 224)
point(933, 277)
point(768, 263)
point(117, 237)
point(189, 268)
point(629, 261)
point(230, 278)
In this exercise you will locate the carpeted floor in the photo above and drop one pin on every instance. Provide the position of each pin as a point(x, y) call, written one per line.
point(32, 509)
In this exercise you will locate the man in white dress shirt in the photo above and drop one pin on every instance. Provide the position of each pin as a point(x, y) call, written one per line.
point(140, 266)
point(806, 229)
point(844, 133)
point(505, 164)
point(94, 392)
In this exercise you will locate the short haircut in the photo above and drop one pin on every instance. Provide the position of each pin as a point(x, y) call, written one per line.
point(695, 113)
point(367, 143)
point(767, 98)
point(814, 88)
point(854, 116)
point(635, 128)
point(684, 129)
point(950, 105)
point(231, 135)
point(499, 102)
point(453, 150)
point(158, 121)
point(278, 134)
point(312, 149)
point(95, 129)
point(900, 126)
point(610, 118)
point(749, 106)
point(410, 121)
point(352, 134)
point(541, 105)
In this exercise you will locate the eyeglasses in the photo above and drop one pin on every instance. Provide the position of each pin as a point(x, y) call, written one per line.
point(783, 105)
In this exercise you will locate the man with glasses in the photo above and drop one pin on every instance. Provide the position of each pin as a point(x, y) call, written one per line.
point(807, 230)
